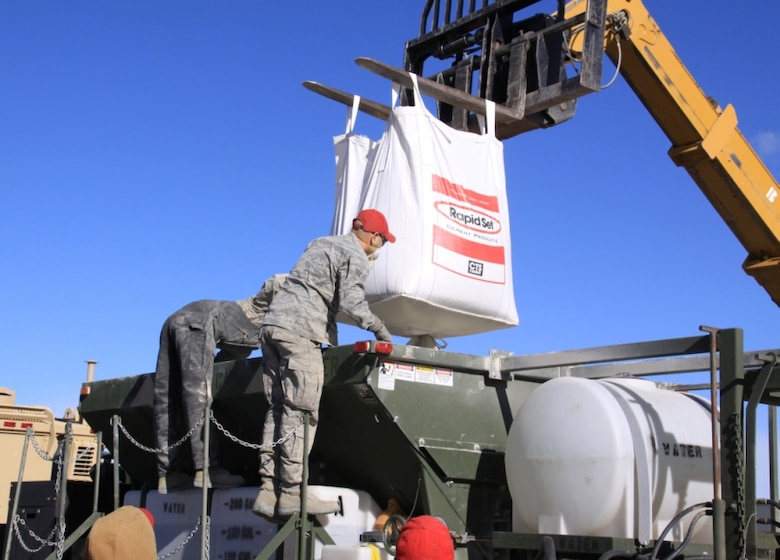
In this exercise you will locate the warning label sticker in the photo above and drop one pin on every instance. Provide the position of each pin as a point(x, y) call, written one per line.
point(404, 372)
point(425, 375)
point(386, 375)
point(444, 377)
point(389, 372)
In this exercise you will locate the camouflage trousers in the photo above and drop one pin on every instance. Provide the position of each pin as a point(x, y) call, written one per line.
point(293, 375)
point(182, 386)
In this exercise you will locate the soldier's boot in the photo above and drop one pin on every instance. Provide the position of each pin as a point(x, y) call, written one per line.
point(265, 503)
point(197, 482)
point(290, 504)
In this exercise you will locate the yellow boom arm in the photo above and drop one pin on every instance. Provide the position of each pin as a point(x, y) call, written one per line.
point(705, 139)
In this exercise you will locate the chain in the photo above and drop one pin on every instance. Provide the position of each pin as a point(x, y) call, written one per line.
point(143, 447)
point(230, 436)
point(61, 541)
point(197, 426)
point(208, 538)
point(60, 460)
point(57, 481)
point(182, 544)
point(46, 457)
point(740, 476)
point(59, 477)
point(41, 453)
point(84, 453)
point(43, 542)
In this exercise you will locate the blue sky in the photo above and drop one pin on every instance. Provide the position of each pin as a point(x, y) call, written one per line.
point(154, 153)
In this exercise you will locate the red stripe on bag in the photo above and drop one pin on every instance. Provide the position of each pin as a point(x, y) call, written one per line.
point(471, 249)
point(459, 192)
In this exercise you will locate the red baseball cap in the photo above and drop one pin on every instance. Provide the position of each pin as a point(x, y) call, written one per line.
point(425, 538)
point(375, 222)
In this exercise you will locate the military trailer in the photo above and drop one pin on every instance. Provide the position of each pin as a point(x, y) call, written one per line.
point(573, 454)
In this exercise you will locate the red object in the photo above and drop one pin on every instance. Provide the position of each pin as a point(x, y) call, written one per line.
point(375, 222)
point(425, 538)
point(383, 347)
point(148, 515)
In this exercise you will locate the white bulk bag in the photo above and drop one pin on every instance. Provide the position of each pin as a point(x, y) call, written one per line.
point(353, 152)
point(443, 192)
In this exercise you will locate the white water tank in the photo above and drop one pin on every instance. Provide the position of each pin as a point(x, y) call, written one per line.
point(616, 458)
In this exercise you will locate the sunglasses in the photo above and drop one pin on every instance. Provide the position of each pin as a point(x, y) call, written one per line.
point(382, 237)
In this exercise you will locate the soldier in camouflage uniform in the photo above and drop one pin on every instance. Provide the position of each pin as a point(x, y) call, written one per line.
point(327, 279)
point(185, 363)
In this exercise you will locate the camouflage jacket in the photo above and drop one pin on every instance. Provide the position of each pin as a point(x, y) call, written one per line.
point(326, 280)
point(256, 307)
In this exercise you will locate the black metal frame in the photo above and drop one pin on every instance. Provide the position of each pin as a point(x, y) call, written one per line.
point(518, 63)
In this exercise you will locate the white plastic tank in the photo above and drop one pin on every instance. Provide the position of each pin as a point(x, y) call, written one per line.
point(617, 458)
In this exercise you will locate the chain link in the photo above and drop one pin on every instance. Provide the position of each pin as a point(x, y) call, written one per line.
point(18, 521)
point(233, 438)
point(57, 484)
point(208, 538)
point(148, 449)
point(84, 453)
point(739, 463)
point(60, 461)
point(61, 541)
point(182, 544)
point(41, 453)
point(197, 426)
point(50, 458)
point(58, 478)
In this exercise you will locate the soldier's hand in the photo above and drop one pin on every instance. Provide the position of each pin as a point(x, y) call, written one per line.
point(383, 334)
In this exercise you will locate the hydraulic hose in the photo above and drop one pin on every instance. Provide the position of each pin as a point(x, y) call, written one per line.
point(688, 535)
point(676, 519)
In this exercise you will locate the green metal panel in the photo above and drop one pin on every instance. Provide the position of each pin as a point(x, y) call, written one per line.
point(239, 404)
point(434, 447)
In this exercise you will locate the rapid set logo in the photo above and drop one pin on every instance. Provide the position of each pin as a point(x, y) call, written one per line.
point(468, 217)
point(466, 235)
